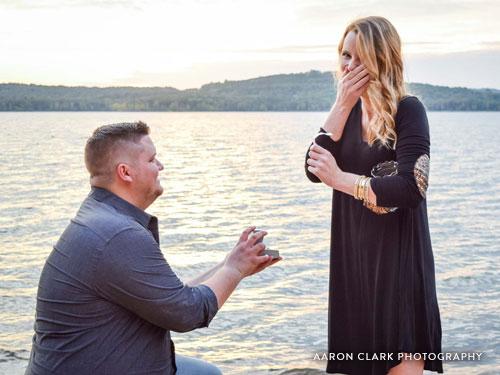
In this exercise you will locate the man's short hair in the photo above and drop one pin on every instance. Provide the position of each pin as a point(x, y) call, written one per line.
point(103, 144)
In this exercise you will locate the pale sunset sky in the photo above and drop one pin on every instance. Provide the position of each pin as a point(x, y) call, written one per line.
point(187, 43)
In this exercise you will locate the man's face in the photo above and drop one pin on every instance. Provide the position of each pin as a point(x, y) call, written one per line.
point(146, 167)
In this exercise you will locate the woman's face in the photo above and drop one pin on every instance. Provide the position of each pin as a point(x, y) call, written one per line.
point(349, 58)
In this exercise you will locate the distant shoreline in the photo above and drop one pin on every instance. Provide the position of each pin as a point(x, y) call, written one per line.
point(313, 91)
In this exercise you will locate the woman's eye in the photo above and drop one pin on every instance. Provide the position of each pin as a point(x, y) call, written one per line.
point(346, 54)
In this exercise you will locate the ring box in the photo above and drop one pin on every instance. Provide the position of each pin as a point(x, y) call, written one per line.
point(272, 253)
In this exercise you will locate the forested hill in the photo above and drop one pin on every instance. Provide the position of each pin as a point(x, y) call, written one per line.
point(312, 91)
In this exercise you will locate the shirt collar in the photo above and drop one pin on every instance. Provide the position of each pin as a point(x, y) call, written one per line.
point(120, 204)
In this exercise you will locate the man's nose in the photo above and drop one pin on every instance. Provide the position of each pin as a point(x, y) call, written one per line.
point(160, 165)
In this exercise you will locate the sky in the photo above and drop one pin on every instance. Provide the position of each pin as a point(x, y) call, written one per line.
point(188, 43)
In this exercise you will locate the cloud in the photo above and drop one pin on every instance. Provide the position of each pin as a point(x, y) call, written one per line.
point(495, 45)
point(452, 25)
point(331, 49)
point(321, 48)
point(326, 11)
point(467, 69)
point(197, 75)
point(58, 4)
point(81, 41)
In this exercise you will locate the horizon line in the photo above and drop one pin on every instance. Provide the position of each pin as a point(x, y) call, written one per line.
point(215, 82)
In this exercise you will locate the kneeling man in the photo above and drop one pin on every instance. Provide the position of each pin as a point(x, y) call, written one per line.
point(107, 298)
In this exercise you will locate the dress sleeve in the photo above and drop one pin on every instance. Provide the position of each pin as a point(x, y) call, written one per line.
point(134, 274)
point(408, 188)
point(327, 143)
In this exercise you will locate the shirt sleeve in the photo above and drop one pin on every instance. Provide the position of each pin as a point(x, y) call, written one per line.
point(408, 188)
point(327, 143)
point(134, 274)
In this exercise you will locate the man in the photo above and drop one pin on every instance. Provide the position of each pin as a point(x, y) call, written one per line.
point(107, 298)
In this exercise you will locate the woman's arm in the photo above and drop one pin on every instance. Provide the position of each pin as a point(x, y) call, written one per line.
point(336, 120)
point(408, 187)
point(322, 138)
point(349, 89)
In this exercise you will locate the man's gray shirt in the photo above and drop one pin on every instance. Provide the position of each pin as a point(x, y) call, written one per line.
point(107, 298)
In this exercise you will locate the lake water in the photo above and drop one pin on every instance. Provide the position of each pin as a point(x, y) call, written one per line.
point(225, 171)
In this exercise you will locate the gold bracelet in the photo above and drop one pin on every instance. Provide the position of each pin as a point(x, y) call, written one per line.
point(365, 190)
point(359, 187)
point(366, 202)
point(377, 209)
point(356, 187)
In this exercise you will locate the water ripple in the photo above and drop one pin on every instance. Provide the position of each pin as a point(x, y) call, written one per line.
point(223, 172)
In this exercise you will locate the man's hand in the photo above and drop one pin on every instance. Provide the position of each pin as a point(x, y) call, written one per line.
point(244, 260)
point(246, 256)
point(323, 165)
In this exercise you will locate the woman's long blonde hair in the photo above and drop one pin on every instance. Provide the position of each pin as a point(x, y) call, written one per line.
point(379, 49)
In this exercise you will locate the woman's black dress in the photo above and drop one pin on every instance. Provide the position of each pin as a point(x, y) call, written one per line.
point(382, 288)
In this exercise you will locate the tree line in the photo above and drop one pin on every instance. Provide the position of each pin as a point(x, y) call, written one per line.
point(311, 91)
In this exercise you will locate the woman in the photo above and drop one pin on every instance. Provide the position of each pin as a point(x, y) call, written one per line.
point(382, 289)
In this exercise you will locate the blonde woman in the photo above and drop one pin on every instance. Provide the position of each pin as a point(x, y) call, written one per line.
point(373, 150)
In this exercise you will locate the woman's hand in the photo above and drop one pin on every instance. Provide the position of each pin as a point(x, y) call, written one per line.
point(349, 89)
point(351, 86)
point(323, 165)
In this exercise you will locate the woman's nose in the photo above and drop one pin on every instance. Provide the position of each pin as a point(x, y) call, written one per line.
point(351, 66)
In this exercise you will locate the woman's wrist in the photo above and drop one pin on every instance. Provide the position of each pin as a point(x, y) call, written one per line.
point(344, 182)
point(336, 120)
point(338, 180)
point(341, 108)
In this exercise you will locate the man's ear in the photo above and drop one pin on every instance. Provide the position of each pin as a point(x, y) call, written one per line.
point(123, 172)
